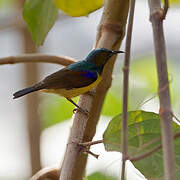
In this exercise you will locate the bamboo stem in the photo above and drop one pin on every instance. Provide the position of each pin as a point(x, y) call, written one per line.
point(110, 34)
point(125, 88)
point(163, 89)
point(33, 121)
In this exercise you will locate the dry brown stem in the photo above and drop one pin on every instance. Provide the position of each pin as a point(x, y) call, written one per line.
point(164, 94)
point(37, 58)
point(51, 173)
point(110, 34)
point(91, 143)
point(125, 88)
point(165, 9)
point(31, 76)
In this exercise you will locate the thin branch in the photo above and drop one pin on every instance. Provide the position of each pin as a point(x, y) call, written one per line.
point(52, 173)
point(165, 9)
point(37, 58)
point(91, 143)
point(110, 35)
point(91, 153)
point(137, 158)
point(164, 94)
point(125, 88)
point(146, 101)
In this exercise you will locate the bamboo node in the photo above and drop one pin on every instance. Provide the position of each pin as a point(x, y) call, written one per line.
point(156, 14)
point(165, 110)
point(112, 27)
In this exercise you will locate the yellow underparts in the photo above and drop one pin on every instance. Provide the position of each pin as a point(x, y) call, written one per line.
point(73, 92)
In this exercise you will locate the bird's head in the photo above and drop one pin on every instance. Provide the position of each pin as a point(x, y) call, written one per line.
point(100, 56)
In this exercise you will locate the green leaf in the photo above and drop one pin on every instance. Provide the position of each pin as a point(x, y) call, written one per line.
point(144, 132)
point(78, 8)
point(54, 110)
point(100, 176)
point(40, 16)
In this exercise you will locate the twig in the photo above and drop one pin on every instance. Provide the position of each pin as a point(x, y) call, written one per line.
point(91, 153)
point(37, 58)
point(146, 101)
point(85, 147)
point(52, 173)
point(146, 154)
point(164, 95)
point(110, 35)
point(91, 143)
point(125, 88)
point(165, 9)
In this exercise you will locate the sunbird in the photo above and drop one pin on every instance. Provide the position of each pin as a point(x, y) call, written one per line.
point(75, 79)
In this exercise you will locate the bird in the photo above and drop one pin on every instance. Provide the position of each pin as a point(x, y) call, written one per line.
point(76, 79)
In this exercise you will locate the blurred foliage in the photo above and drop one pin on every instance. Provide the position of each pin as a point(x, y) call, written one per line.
point(78, 8)
point(55, 109)
point(143, 83)
point(100, 176)
point(6, 3)
point(143, 77)
point(144, 132)
point(174, 1)
point(112, 105)
point(40, 16)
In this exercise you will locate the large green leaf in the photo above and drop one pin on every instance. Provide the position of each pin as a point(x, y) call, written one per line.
point(54, 110)
point(100, 176)
point(78, 8)
point(40, 16)
point(144, 134)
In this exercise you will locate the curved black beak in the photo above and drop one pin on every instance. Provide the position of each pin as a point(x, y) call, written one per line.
point(116, 52)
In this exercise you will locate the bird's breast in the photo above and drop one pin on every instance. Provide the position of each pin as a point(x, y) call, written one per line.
point(70, 93)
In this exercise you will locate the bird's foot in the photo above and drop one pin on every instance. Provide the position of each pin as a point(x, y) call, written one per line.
point(81, 110)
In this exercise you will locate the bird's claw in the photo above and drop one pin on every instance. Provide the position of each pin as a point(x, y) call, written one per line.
point(81, 110)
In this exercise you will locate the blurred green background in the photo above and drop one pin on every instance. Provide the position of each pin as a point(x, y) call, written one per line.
point(75, 37)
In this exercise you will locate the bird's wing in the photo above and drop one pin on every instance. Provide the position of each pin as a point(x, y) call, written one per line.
point(69, 79)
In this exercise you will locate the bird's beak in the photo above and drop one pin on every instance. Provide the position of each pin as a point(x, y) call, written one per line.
point(116, 52)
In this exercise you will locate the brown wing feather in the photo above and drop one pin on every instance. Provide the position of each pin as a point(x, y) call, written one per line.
point(66, 79)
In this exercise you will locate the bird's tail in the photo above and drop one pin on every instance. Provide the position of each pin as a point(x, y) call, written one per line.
point(27, 90)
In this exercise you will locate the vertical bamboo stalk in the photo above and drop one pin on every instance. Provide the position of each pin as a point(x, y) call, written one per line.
point(110, 35)
point(163, 89)
point(125, 88)
point(33, 121)
point(33, 125)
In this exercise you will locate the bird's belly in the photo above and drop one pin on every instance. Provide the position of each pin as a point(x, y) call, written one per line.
point(70, 93)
